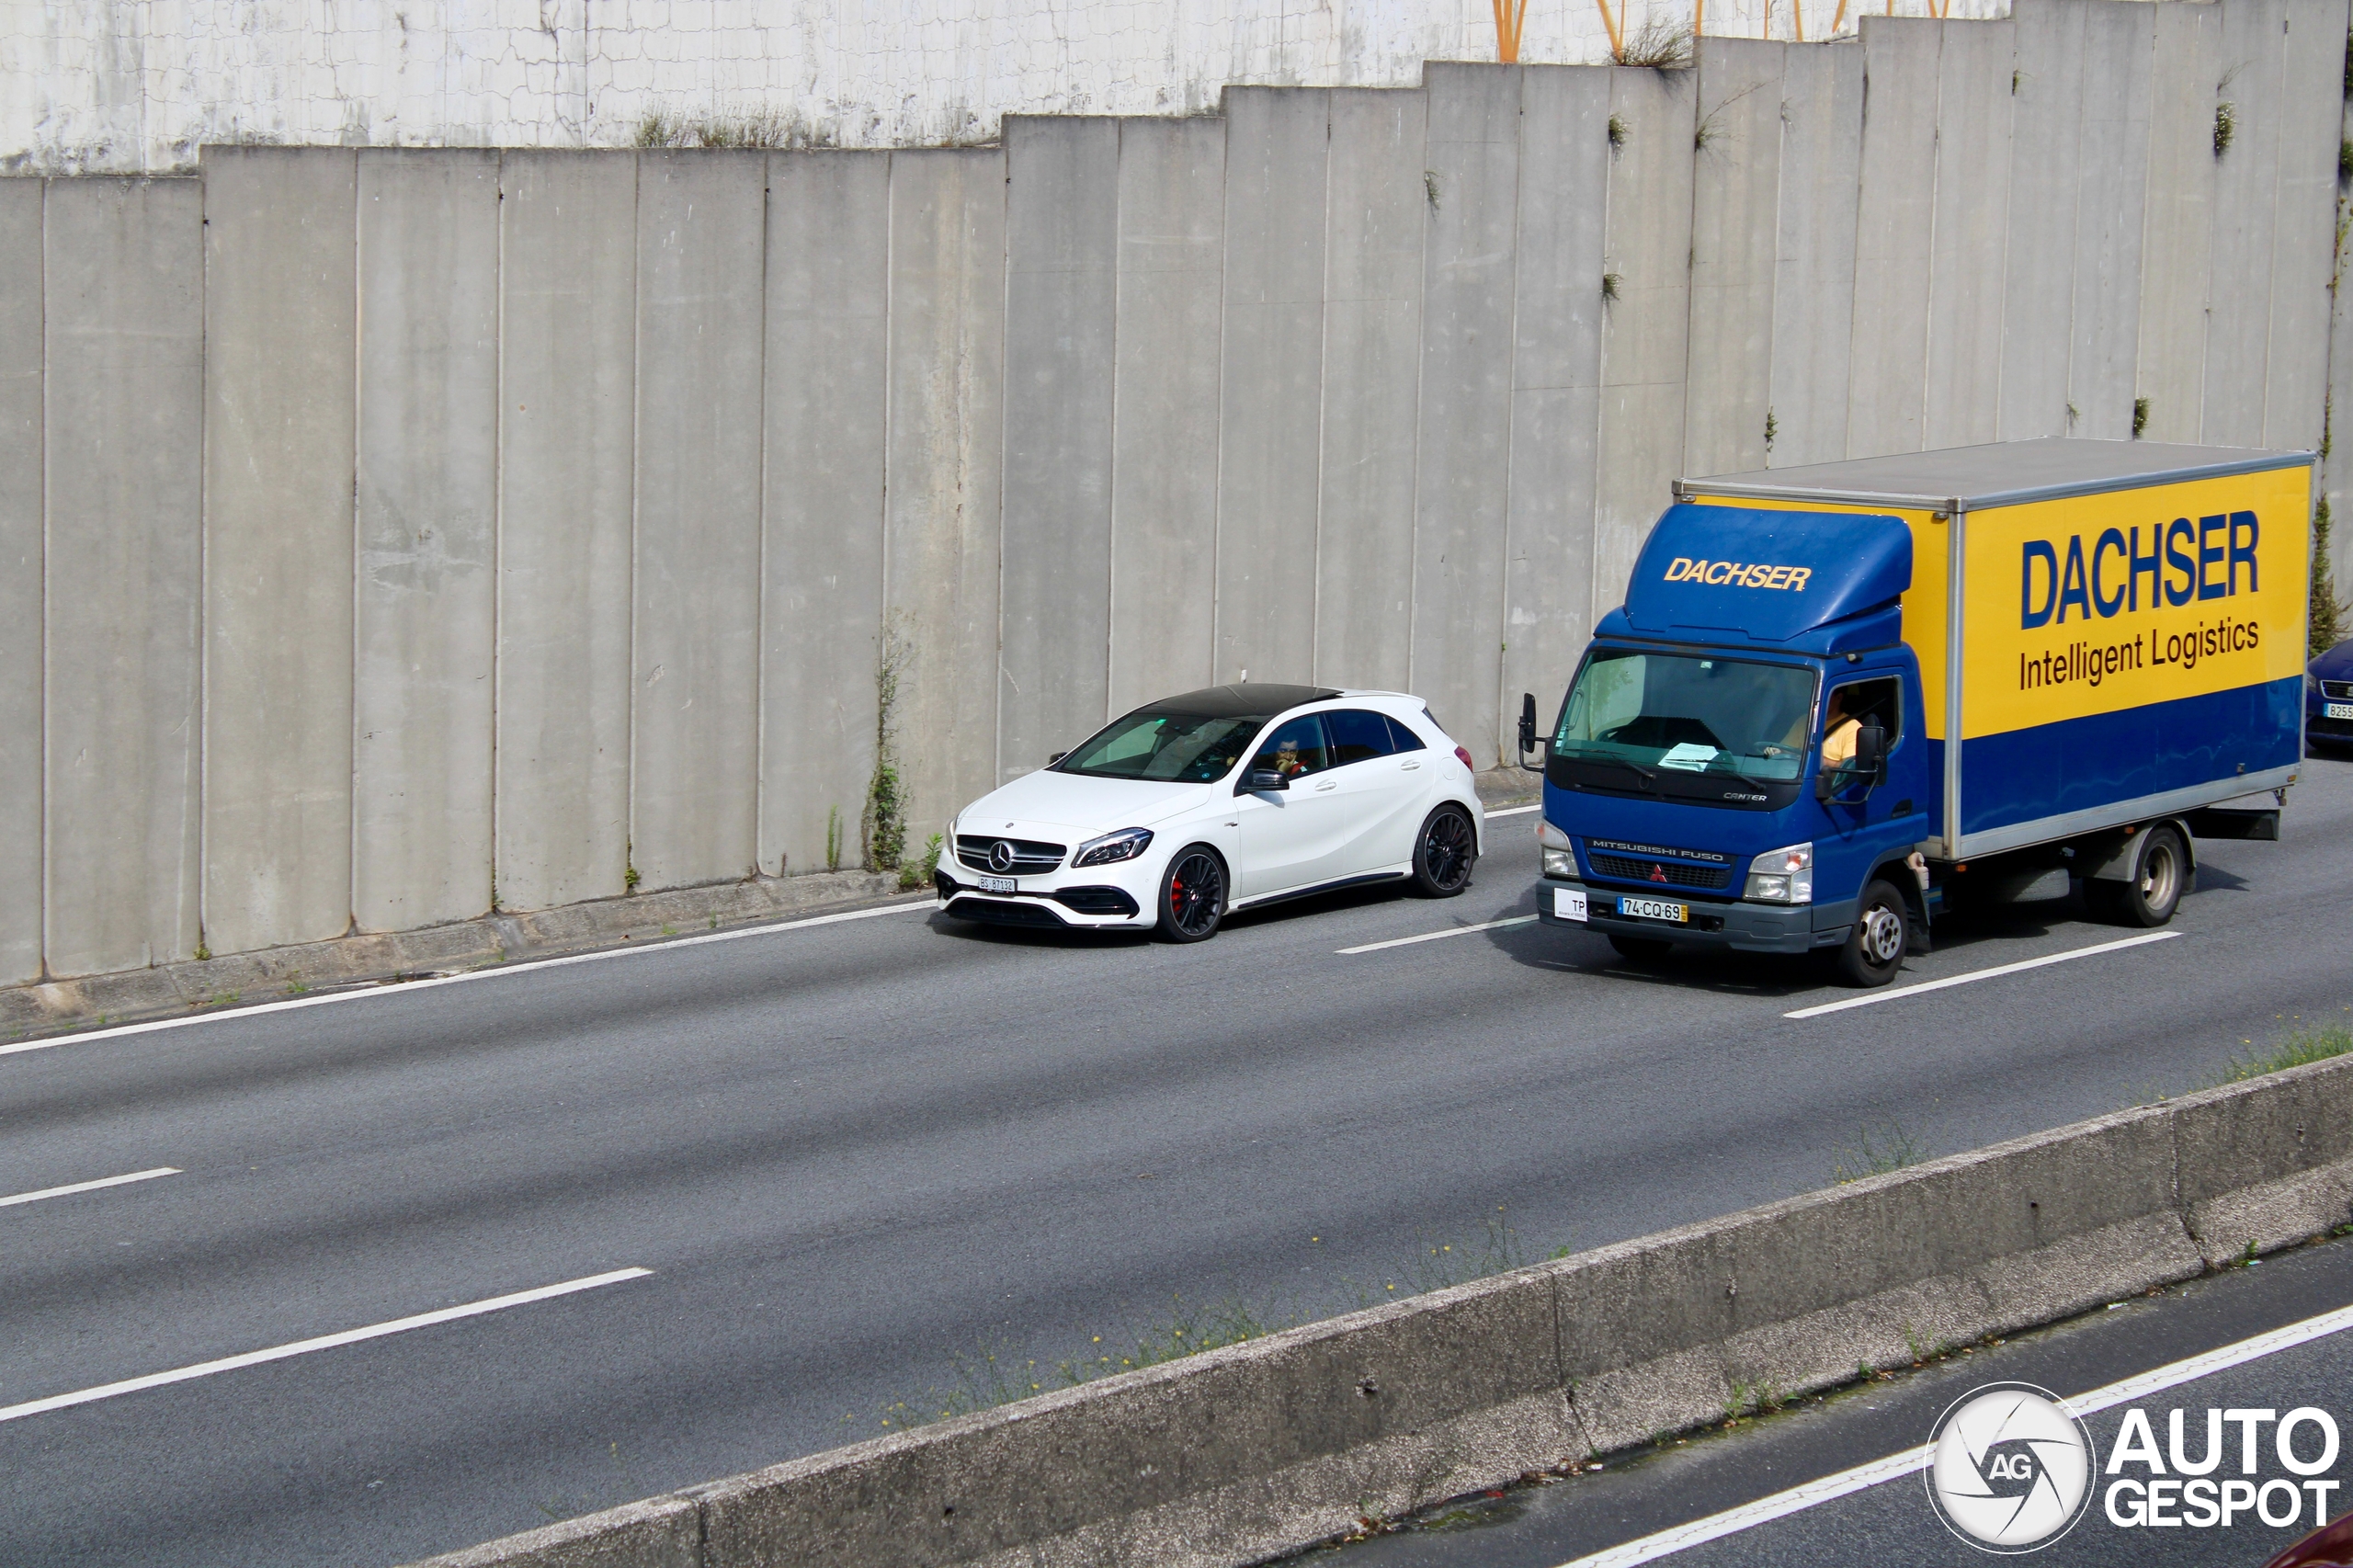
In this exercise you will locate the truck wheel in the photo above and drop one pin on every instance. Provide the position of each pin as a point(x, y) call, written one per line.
point(1444, 853)
point(1640, 950)
point(1874, 949)
point(2153, 892)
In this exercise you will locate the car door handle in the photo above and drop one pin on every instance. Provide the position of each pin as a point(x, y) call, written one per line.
point(1409, 767)
point(1331, 784)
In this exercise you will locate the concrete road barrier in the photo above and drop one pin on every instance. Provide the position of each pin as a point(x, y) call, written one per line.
point(1243, 1453)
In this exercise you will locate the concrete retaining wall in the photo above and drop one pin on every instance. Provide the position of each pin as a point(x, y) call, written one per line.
point(1243, 1453)
point(540, 522)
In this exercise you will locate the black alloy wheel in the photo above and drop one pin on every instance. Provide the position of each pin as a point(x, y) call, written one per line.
point(2160, 876)
point(1445, 853)
point(1192, 896)
point(1875, 947)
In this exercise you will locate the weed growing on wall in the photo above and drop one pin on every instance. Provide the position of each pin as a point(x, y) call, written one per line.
point(917, 873)
point(882, 831)
point(833, 838)
point(2226, 124)
point(1660, 43)
point(1877, 1151)
point(2300, 1048)
point(2140, 417)
point(2326, 617)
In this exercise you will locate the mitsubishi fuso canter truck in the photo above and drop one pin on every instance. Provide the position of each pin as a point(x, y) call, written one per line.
point(1842, 700)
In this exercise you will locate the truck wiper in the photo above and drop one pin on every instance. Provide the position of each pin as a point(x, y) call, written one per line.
point(1636, 768)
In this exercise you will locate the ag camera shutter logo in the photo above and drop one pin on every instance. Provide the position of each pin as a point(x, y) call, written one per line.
point(2009, 1467)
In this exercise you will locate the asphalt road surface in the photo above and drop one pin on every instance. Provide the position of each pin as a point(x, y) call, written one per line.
point(851, 1153)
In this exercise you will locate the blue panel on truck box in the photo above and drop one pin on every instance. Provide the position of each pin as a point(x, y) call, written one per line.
point(2133, 754)
point(1765, 576)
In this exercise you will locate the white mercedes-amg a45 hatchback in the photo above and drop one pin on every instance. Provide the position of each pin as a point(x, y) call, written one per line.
point(1195, 806)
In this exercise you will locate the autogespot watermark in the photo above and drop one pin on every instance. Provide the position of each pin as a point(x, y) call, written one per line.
point(2011, 1469)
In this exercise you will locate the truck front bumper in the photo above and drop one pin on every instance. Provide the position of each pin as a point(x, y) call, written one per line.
point(1740, 928)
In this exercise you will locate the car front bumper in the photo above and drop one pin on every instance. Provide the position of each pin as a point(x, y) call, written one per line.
point(1098, 898)
point(1739, 927)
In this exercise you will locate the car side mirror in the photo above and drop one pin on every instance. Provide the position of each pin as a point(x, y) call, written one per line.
point(1527, 730)
point(1056, 757)
point(1261, 778)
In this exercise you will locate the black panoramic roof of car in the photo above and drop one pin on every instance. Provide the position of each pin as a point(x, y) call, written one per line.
point(1248, 699)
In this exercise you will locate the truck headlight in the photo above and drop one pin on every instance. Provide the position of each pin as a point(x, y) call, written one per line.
point(1553, 847)
point(1124, 845)
point(1782, 876)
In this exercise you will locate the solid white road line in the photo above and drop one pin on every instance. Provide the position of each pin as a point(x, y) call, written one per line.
point(324, 1342)
point(1798, 1499)
point(90, 1185)
point(1514, 812)
point(1878, 996)
point(1435, 935)
point(927, 902)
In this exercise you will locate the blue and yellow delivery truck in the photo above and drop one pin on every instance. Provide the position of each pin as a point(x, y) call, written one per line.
point(1842, 700)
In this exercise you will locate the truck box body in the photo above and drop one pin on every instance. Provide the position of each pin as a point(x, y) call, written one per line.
point(2068, 637)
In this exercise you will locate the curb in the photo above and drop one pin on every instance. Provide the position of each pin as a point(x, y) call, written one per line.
point(1246, 1453)
point(42, 1009)
point(222, 985)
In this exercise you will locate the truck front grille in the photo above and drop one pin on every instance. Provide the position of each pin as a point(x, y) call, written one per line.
point(1625, 868)
point(1030, 857)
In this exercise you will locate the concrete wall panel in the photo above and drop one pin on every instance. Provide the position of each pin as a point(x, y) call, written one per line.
point(1967, 249)
point(1886, 410)
point(1164, 407)
point(2110, 217)
point(1062, 220)
point(1468, 272)
point(942, 532)
point(1643, 337)
point(1736, 229)
point(701, 235)
point(2040, 290)
point(1376, 212)
point(2177, 246)
point(125, 312)
point(280, 336)
point(1270, 406)
point(424, 609)
point(23, 761)
point(2311, 117)
point(568, 314)
point(1556, 387)
point(829, 248)
point(1821, 189)
point(2247, 175)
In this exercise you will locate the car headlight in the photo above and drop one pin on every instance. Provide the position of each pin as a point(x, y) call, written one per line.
point(1552, 848)
point(1782, 876)
point(1124, 845)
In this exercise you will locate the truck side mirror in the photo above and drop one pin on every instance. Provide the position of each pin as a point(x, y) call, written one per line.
point(1871, 751)
point(1527, 729)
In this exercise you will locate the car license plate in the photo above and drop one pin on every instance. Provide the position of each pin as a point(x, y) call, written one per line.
point(1654, 909)
point(2338, 709)
point(1568, 903)
point(999, 884)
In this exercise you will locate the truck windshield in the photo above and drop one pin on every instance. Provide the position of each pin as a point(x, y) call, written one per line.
point(1685, 713)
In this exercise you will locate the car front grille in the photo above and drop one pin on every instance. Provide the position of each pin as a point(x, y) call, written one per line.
point(2342, 691)
point(1030, 858)
point(1626, 868)
point(1004, 912)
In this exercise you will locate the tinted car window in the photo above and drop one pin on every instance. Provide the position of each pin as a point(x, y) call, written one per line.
point(1403, 739)
point(1356, 737)
point(1294, 748)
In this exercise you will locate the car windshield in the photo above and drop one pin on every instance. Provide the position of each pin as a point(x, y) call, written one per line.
point(1684, 713)
point(1182, 748)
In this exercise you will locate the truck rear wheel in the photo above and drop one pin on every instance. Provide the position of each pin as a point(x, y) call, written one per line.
point(1874, 949)
point(2150, 894)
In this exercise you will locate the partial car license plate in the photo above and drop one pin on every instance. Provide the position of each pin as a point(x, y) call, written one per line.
point(999, 884)
point(1654, 909)
point(2338, 709)
point(1568, 903)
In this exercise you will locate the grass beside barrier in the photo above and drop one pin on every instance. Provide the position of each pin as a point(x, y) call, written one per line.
point(2301, 1048)
point(990, 1376)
